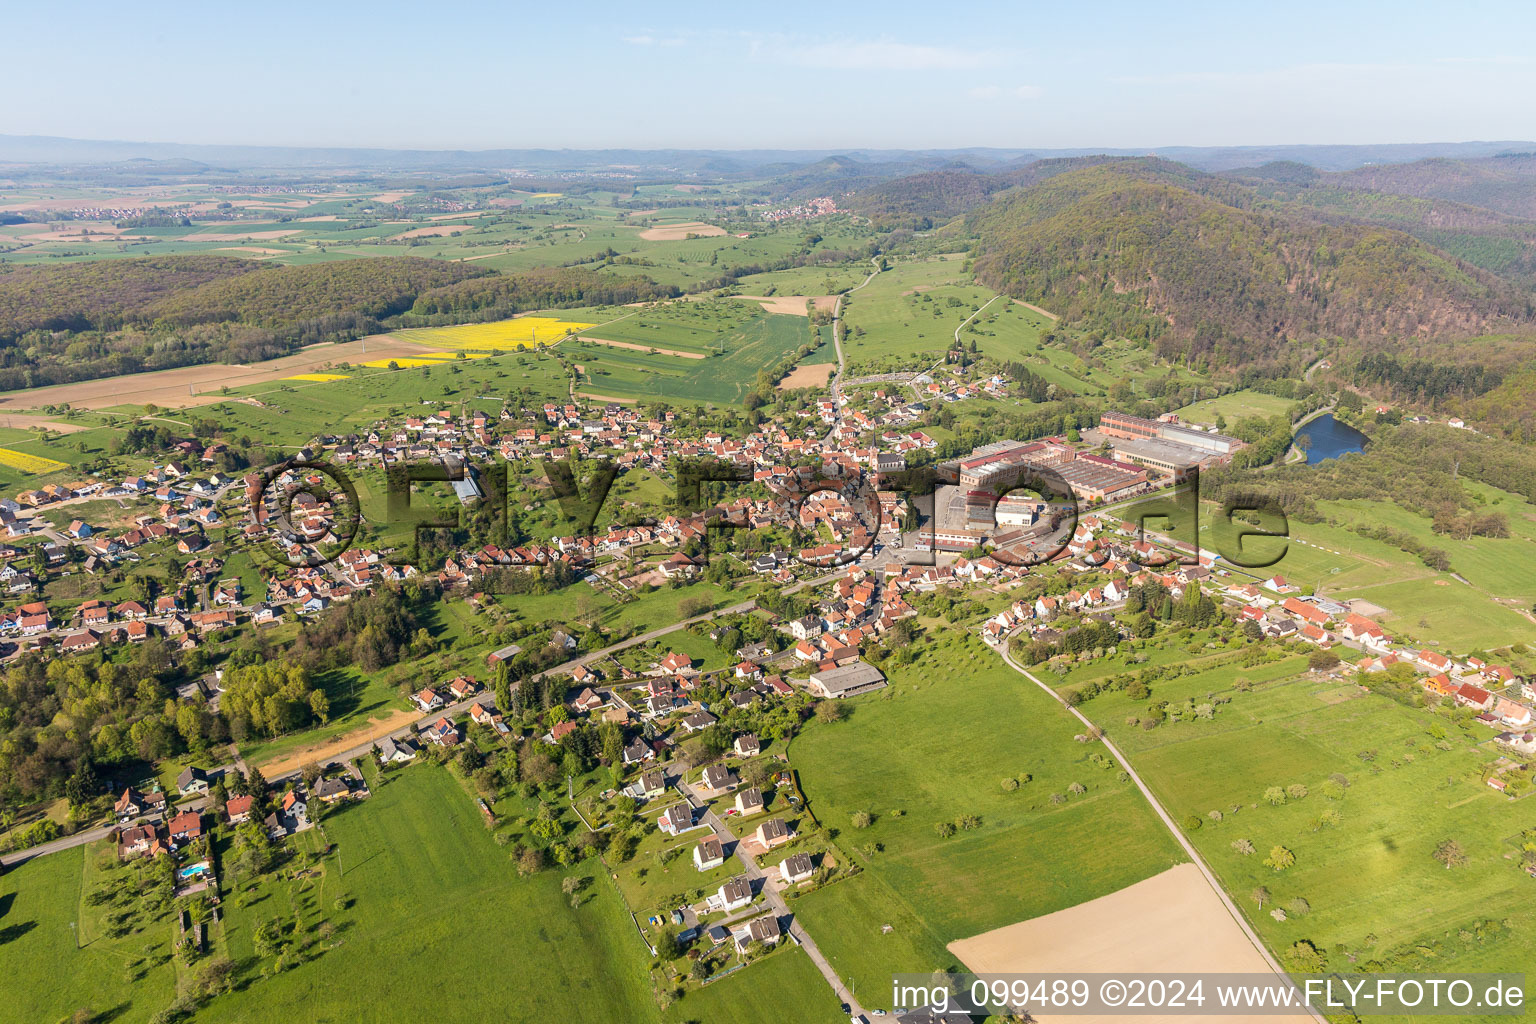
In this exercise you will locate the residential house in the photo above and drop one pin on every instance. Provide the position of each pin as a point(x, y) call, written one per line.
point(393, 751)
point(676, 819)
point(733, 895)
point(185, 827)
point(238, 809)
point(192, 780)
point(749, 801)
point(710, 853)
point(796, 868)
point(760, 929)
point(717, 779)
point(773, 832)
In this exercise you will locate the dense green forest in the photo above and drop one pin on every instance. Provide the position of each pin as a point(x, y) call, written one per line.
point(1502, 183)
point(923, 200)
point(107, 295)
point(1152, 250)
point(501, 295)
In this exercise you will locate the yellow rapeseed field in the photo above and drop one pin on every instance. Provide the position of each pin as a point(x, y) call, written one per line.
point(29, 463)
point(500, 336)
point(318, 378)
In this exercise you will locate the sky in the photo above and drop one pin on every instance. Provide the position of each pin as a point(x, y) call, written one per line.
point(453, 75)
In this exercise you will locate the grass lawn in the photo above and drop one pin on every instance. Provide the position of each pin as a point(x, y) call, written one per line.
point(1234, 407)
point(46, 976)
point(936, 745)
point(782, 986)
point(434, 898)
point(1370, 881)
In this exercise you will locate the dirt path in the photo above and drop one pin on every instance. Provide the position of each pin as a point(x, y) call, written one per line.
point(321, 752)
point(1031, 306)
point(1208, 875)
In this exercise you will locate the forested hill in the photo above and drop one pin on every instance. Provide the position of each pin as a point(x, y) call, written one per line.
point(1152, 249)
point(106, 295)
point(1485, 237)
point(1503, 183)
point(103, 318)
point(923, 200)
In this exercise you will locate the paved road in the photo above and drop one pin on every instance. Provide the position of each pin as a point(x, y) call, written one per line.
point(89, 835)
point(67, 843)
point(1167, 820)
point(837, 378)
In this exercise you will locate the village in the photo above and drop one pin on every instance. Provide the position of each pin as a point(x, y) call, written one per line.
point(854, 552)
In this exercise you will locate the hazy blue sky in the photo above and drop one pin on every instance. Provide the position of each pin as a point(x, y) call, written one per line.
point(790, 75)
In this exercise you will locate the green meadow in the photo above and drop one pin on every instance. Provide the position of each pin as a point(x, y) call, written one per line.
point(53, 969)
point(782, 986)
point(935, 747)
point(744, 341)
point(1235, 406)
point(1371, 885)
point(428, 888)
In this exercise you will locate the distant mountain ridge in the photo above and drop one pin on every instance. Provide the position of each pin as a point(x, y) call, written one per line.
point(38, 149)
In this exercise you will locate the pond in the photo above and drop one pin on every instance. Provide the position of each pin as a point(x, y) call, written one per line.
point(1329, 439)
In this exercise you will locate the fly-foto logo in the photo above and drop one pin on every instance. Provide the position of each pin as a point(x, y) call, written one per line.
point(308, 513)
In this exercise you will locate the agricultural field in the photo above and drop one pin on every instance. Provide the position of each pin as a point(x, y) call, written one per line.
point(284, 413)
point(502, 228)
point(1403, 782)
point(421, 873)
point(935, 746)
point(710, 352)
point(26, 462)
point(503, 335)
